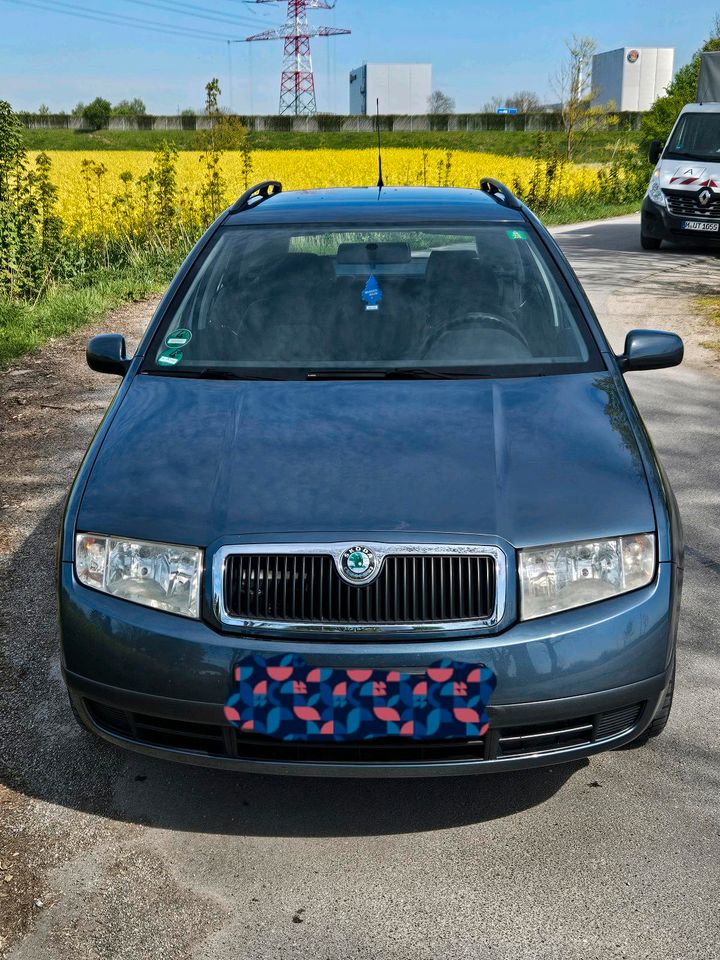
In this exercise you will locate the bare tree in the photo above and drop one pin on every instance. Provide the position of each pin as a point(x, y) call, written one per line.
point(572, 83)
point(524, 101)
point(439, 102)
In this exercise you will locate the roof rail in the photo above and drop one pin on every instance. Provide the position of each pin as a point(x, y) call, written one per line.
point(268, 188)
point(498, 191)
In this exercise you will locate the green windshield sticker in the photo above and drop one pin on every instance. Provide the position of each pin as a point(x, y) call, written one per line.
point(168, 358)
point(517, 234)
point(178, 338)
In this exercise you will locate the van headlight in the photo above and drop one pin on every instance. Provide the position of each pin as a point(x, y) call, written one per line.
point(655, 192)
point(159, 575)
point(571, 575)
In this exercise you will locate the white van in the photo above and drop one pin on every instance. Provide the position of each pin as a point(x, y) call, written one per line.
point(683, 199)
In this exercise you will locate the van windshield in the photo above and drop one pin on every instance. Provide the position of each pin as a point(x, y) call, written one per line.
point(301, 302)
point(696, 137)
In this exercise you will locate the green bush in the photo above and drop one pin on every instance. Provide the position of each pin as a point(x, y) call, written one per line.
point(659, 120)
point(97, 114)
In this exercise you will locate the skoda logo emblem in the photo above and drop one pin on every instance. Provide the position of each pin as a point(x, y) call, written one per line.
point(358, 563)
point(704, 197)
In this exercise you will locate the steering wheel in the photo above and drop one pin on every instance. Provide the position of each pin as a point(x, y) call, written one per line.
point(488, 320)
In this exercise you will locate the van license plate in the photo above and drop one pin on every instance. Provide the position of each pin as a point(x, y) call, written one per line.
point(702, 225)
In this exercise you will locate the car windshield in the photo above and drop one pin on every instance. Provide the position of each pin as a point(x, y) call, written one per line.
point(696, 137)
point(301, 302)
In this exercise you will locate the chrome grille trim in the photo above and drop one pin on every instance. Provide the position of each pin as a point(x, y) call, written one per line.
point(686, 204)
point(336, 550)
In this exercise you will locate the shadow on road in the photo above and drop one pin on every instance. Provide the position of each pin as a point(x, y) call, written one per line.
point(47, 756)
point(593, 252)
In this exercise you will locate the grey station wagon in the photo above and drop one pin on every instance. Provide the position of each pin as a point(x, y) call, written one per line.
point(372, 499)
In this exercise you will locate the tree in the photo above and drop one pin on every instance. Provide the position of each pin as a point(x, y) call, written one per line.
point(659, 120)
point(129, 108)
point(439, 102)
point(524, 101)
point(572, 84)
point(97, 114)
point(43, 110)
point(12, 150)
point(78, 109)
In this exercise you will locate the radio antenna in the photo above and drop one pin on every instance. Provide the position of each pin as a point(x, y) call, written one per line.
point(381, 182)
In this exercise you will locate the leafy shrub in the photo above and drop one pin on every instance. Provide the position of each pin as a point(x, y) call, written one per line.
point(659, 120)
point(97, 114)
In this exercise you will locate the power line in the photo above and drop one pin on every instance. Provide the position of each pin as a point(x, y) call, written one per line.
point(156, 26)
point(192, 11)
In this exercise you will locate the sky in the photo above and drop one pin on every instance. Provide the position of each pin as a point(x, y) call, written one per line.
point(478, 48)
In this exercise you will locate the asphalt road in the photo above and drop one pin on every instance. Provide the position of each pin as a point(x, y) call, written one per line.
point(616, 857)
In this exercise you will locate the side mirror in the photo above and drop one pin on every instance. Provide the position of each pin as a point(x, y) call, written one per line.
point(654, 151)
point(651, 350)
point(106, 354)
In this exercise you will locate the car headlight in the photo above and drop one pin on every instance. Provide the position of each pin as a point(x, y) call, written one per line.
point(655, 191)
point(571, 575)
point(159, 575)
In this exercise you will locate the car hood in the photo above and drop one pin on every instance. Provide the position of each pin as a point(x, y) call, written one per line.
point(532, 460)
point(689, 175)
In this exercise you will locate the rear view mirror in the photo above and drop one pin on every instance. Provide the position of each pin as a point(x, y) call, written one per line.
point(106, 353)
point(654, 151)
point(651, 350)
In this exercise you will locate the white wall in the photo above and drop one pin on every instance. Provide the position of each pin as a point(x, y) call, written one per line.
point(402, 88)
point(632, 85)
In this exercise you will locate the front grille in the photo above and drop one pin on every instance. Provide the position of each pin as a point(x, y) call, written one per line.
point(307, 588)
point(221, 740)
point(686, 205)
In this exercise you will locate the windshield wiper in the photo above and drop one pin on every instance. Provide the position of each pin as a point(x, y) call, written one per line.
point(392, 373)
point(209, 373)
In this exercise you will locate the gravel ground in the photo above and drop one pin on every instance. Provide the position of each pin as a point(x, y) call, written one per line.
point(107, 855)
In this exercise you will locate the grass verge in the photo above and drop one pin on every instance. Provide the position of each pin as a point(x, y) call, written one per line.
point(25, 326)
point(709, 307)
point(577, 211)
point(596, 147)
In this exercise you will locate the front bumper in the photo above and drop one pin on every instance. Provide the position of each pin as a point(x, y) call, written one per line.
point(568, 686)
point(659, 223)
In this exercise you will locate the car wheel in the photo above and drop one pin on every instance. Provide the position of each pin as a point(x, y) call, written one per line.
point(660, 721)
point(649, 243)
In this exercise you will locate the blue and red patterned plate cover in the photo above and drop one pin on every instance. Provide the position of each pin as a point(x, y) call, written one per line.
point(285, 698)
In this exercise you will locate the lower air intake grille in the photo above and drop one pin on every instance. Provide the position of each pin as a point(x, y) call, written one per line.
point(221, 740)
point(609, 724)
point(307, 588)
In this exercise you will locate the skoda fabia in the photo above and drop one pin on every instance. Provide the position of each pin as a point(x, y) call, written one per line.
point(372, 498)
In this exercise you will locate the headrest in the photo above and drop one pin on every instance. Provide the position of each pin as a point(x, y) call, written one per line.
point(451, 262)
point(304, 266)
point(372, 253)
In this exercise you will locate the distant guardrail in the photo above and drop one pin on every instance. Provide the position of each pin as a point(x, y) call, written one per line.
point(333, 123)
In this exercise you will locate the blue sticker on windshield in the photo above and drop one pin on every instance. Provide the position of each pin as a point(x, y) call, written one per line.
point(372, 294)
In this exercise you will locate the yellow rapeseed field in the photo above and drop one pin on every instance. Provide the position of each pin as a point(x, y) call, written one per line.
point(297, 169)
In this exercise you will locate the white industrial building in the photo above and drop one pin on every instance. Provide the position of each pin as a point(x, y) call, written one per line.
point(632, 78)
point(401, 88)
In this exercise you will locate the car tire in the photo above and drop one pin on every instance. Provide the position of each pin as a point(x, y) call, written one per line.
point(661, 718)
point(649, 243)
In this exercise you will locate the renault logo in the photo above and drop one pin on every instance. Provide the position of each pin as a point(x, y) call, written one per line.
point(358, 564)
point(705, 197)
